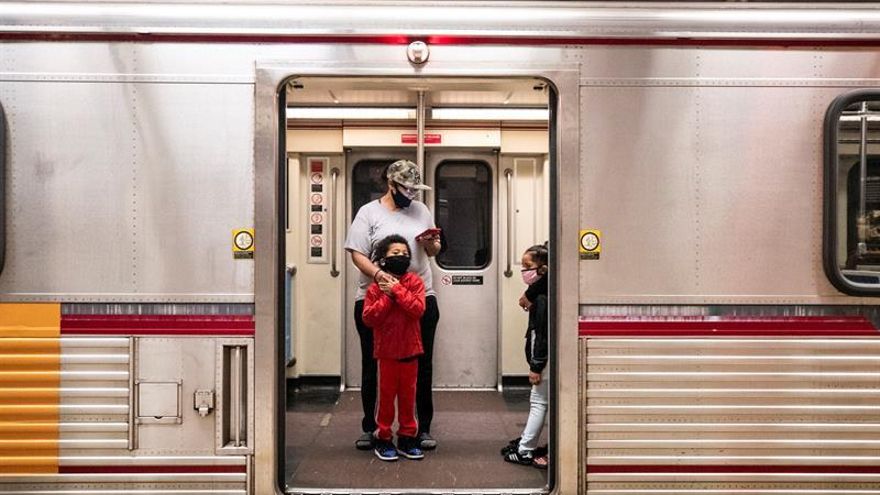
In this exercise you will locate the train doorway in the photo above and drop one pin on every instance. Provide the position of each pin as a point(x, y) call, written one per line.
point(483, 148)
point(463, 201)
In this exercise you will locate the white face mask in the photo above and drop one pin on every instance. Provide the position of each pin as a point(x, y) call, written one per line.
point(530, 276)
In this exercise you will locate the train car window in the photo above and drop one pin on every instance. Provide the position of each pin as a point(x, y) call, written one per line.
point(366, 182)
point(852, 193)
point(463, 209)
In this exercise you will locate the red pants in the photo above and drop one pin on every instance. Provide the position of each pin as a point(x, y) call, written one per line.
point(397, 379)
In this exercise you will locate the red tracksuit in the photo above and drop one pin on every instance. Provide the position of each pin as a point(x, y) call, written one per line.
point(397, 342)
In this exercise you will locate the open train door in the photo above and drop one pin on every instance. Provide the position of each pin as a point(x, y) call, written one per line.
point(270, 386)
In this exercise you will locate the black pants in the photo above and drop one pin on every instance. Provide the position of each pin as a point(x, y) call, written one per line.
point(369, 387)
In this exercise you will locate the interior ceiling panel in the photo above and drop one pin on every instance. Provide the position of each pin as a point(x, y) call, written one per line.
point(403, 92)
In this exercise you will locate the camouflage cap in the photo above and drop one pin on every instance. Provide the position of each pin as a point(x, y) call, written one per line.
point(406, 173)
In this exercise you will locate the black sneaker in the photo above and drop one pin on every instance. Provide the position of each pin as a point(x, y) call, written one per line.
point(426, 441)
point(511, 446)
point(364, 442)
point(408, 447)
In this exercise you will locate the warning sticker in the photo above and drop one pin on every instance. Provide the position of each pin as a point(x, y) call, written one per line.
point(243, 244)
point(590, 245)
point(467, 280)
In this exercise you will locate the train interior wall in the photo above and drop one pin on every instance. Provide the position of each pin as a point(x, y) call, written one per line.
point(317, 298)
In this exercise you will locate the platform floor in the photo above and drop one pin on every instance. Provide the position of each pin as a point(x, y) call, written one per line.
point(470, 427)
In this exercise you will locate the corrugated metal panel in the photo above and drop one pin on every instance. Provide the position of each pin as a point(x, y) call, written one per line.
point(731, 415)
point(94, 394)
point(29, 387)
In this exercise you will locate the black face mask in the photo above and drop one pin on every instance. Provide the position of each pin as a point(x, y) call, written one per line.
point(396, 265)
point(400, 200)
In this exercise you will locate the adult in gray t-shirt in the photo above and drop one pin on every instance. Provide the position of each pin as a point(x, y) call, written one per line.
point(374, 222)
point(395, 213)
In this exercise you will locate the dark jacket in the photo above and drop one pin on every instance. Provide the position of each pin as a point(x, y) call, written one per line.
point(536, 334)
point(395, 319)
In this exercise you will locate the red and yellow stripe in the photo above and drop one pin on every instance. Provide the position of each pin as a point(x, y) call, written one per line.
point(30, 383)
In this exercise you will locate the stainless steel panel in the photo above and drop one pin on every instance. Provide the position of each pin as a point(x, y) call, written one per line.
point(682, 223)
point(547, 20)
point(190, 361)
point(805, 402)
point(146, 215)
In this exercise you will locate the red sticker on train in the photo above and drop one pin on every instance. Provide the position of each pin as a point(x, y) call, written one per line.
point(413, 138)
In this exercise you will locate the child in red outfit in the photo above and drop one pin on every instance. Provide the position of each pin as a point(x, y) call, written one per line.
point(393, 311)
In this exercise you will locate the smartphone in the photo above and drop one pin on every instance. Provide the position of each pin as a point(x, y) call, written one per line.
point(428, 233)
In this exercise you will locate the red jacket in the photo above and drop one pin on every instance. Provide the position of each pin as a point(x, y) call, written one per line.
point(395, 319)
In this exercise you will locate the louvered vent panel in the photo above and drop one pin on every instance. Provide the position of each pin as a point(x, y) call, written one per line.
point(699, 415)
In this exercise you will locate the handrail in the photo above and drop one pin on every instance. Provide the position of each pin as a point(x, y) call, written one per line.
point(289, 273)
point(508, 174)
point(332, 240)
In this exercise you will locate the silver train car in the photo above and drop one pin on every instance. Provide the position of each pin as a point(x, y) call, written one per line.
point(177, 180)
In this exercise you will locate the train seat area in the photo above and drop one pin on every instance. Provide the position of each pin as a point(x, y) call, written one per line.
point(470, 427)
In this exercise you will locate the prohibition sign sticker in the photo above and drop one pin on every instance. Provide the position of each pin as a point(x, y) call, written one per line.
point(590, 245)
point(316, 240)
point(446, 280)
point(317, 218)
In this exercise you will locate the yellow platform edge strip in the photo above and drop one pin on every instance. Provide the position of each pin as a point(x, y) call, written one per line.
point(30, 345)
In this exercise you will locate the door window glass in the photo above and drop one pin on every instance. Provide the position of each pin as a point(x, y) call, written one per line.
point(366, 182)
point(463, 210)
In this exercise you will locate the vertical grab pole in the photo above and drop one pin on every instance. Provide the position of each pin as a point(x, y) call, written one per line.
point(508, 175)
point(334, 174)
point(863, 178)
point(420, 130)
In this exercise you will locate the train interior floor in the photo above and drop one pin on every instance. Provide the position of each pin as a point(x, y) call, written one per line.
point(470, 428)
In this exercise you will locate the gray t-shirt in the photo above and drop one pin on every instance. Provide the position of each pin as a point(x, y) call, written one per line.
point(374, 222)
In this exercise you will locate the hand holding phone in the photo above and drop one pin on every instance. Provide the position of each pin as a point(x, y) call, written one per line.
point(429, 234)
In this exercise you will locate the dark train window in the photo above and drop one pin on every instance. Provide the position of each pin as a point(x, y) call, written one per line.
point(463, 209)
point(366, 182)
point(851, 248)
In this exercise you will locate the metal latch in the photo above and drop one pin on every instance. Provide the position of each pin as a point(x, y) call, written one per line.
point(203, 402)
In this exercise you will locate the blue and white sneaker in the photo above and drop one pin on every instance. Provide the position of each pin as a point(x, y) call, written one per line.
point(385, 450)
point(409, 448)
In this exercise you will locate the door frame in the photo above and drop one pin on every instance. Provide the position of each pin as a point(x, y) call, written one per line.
point(269, 410)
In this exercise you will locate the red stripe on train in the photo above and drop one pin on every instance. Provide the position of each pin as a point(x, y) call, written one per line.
point(241, 325)
point(150, 469)
point(732, 469)
point(393, 39)
point(731, 326)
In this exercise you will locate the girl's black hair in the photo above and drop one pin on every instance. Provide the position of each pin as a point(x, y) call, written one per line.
point(381, 247)
point(539, 253)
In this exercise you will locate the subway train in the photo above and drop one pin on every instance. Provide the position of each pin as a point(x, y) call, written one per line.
point(177, 180)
